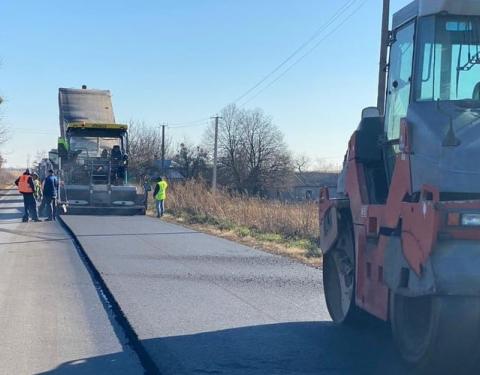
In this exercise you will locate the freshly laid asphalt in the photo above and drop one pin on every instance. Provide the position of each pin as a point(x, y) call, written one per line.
point(204, 305)
point(52, 320)
point(198, 304)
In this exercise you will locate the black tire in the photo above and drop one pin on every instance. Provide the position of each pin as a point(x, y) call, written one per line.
point(437, 334)
point(339, 279)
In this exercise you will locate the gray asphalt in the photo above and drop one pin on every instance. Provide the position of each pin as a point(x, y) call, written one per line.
point(52, 320)
point(204, 305)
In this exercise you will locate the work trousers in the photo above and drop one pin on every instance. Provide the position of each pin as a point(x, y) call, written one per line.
point(160, 205)
point(30, 206)
point(50, 207)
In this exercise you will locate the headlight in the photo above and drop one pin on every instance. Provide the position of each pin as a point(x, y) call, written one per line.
point(471, 220)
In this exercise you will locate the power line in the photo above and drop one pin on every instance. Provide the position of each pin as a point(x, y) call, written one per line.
point(317, 33)
point(184, 124)
point(337, 15)
point(315, 46)
point(30, 131)
point(204, 122)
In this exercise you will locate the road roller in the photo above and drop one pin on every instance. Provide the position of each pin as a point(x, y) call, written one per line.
point(401, 236)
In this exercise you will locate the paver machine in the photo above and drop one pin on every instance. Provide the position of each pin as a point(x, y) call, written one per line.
point(401, 239)
point(93, 154)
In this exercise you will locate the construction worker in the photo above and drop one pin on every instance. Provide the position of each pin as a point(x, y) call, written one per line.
point(50, 188)
point(147, 187)
point(38, 187)
point(26, 187)
point(160, 194)
point(37, 194)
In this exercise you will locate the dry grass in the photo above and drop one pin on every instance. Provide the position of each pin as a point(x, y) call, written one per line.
point(287, 229)
point(8, 176)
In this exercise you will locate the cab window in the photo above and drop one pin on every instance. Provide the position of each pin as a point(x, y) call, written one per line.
point(399, 81)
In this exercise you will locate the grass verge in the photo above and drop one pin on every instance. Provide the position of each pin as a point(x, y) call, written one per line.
point(284, 229)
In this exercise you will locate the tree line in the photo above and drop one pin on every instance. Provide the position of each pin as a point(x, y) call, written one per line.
point(253, 157)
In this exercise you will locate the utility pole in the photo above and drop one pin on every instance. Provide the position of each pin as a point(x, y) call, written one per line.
point(163, 149)
point(382, 75)
point(215, 155)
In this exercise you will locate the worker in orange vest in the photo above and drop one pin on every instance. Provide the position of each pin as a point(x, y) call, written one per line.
point(26, 187)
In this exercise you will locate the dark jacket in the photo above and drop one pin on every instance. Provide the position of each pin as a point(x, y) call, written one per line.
point(156, 190)
point(30, 182)
point(50, 186)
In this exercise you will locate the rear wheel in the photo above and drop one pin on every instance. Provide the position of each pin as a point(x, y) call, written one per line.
point(437, 334)
point(339, 279)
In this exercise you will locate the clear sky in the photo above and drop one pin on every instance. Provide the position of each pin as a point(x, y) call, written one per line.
point(178, 61)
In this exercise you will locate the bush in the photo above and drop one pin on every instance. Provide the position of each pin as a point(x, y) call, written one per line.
point(8, 176)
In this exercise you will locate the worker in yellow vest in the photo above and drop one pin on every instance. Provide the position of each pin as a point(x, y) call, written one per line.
point(160, 194)
point(38, 187)
point(26, 187)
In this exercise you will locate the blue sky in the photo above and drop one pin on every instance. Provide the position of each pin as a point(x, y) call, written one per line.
point(178, 61)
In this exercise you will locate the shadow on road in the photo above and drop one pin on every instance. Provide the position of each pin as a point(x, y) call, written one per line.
point(16, 200)
point(11, 215)
point(286, 348)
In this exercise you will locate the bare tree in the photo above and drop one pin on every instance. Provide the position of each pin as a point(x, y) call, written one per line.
point(145, 147)
point(39, 156)
point(253, 156)
point(192, 161)
point(302, 163)
point(324, 165)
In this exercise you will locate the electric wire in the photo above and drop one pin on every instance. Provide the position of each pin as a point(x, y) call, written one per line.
point(314, 36)
point(338, 14)
point(204, 122)
point(302, 57)
point(183, 124)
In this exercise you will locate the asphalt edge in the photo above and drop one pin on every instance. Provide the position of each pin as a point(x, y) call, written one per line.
point(112, 306)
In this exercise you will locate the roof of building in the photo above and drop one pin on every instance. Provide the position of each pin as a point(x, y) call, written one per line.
point(315, 179)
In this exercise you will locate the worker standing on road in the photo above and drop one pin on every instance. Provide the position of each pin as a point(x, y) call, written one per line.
point(50, 188)
point(147, 187)
point(38, 187)
point(26, 187)
point(160, 194)
point(37, 194)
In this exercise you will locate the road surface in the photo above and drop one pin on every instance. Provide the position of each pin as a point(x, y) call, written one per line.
point(204, 305)
point(52, 320)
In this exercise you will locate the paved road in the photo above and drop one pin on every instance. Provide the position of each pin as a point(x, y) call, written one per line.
point(203, 305)
point(52, 320)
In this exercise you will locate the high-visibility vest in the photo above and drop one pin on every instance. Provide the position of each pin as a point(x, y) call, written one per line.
point(38, 188)
point(162, 191)
point(23, 185)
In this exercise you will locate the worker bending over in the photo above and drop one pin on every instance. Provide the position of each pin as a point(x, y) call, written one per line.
point(26, 187)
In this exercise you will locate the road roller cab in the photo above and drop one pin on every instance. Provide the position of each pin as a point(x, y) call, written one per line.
point(402, 238)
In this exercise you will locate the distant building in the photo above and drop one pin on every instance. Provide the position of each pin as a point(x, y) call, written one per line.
point(169, 171)
point(305, 186)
